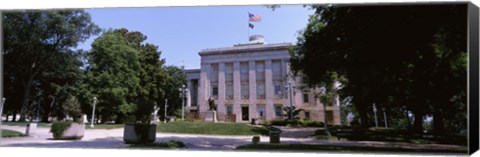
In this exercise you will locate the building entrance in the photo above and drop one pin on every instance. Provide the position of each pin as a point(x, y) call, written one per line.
point(245, 113)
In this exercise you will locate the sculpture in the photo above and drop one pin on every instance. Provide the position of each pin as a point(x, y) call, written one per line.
point(211, 104)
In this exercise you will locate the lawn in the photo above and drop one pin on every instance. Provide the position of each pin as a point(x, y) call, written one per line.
point(393, 135)
point(40, 124)
point(105, 126)
point(211, 128)
point(330, 148)
point(11, 133)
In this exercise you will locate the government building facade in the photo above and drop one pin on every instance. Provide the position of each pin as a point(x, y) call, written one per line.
point(252, 81)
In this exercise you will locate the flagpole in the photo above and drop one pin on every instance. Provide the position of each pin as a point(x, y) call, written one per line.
point(248, 29)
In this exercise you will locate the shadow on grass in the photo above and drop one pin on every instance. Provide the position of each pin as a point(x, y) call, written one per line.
point(392, 135)
point(339, 148)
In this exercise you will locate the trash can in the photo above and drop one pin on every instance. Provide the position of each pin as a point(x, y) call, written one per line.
point(31, 127)
point(274, 136)
point(253, 121)
point(256, 139)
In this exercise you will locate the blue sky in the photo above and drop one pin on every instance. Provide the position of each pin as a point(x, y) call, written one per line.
point(182, 32)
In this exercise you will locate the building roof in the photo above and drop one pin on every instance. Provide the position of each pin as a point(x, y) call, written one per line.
point(245, 48)
point(192, 70)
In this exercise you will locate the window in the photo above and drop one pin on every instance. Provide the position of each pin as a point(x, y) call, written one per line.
point(229, 90)
point(278, 111)
point(278, 89)
point(244, 90)
point(276, 70)
point(215, 91)
point(261, 111)
point(260, 71)
point(229, 109)
point(228, 72)
point(260, 90)
point(244, 71)
point(305, 97)
point(307, 115)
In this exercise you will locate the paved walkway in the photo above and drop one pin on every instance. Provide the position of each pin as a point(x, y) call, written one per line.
point(101, 138)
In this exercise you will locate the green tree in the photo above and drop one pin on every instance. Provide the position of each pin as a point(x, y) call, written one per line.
point(371, 46)
point(31, 39)
point(175, 79)
point(143, 68)
point(113, 75)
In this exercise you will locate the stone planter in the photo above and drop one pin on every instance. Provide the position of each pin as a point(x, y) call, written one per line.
point(139, 133)
point(74, 132)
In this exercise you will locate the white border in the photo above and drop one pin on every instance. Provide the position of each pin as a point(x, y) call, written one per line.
point(58, 4)
point(51, 4)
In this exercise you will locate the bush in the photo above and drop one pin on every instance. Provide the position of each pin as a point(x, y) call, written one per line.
point(58, 128)
point(313, 123)
point(296, 123)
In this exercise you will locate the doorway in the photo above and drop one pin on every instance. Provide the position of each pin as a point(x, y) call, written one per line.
point(245, 113)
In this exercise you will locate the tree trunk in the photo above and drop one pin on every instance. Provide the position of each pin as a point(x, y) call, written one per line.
point(14, 118)
point(364, 123)
point(438, 126)
point(26, 97)
point(418, 123)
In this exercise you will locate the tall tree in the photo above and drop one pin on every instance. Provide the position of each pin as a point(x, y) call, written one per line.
point(146, 74)
point(112, 75)
point(31, 39)
point(373, 48)
point(176, 78)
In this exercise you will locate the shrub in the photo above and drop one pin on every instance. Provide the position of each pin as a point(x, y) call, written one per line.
point(313, 123)
point(58, 128)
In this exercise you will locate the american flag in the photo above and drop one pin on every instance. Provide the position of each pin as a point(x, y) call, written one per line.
point(254, 18)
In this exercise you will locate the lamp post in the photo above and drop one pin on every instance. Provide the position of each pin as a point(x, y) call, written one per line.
point(93, 111)
point(165, 115)
point(385, 118)
point(183, 101)
point(375, 115)
point(289, 88)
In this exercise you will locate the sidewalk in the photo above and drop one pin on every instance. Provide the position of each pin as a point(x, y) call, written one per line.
point(101, 138)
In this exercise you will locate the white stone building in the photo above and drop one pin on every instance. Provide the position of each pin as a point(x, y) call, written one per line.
point(250, 81)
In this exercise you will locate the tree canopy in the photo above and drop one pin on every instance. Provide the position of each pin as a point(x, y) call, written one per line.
point(409, 57)
point(38, 45)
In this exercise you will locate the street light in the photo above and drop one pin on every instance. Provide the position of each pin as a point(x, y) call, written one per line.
point(375, 115)
point(289, 88)
point(93, 111)
point(183, 101)
point(165, 115)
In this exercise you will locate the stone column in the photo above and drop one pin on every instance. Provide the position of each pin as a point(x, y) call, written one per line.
point(236, 81)
point(237, 91)
point(204, 85)
point(189, 100)
point(269, 91)
point(189, 95)
point(252, 86)
point(221, 87)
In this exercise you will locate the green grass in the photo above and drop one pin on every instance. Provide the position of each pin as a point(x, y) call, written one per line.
point(11, 133)
point(40, 124)
point(394, 135)
point(167, 144)
point(105, 126)
point(211, 128)
point(320, 148)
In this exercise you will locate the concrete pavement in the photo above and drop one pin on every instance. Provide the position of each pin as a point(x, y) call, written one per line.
point(113, 138)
